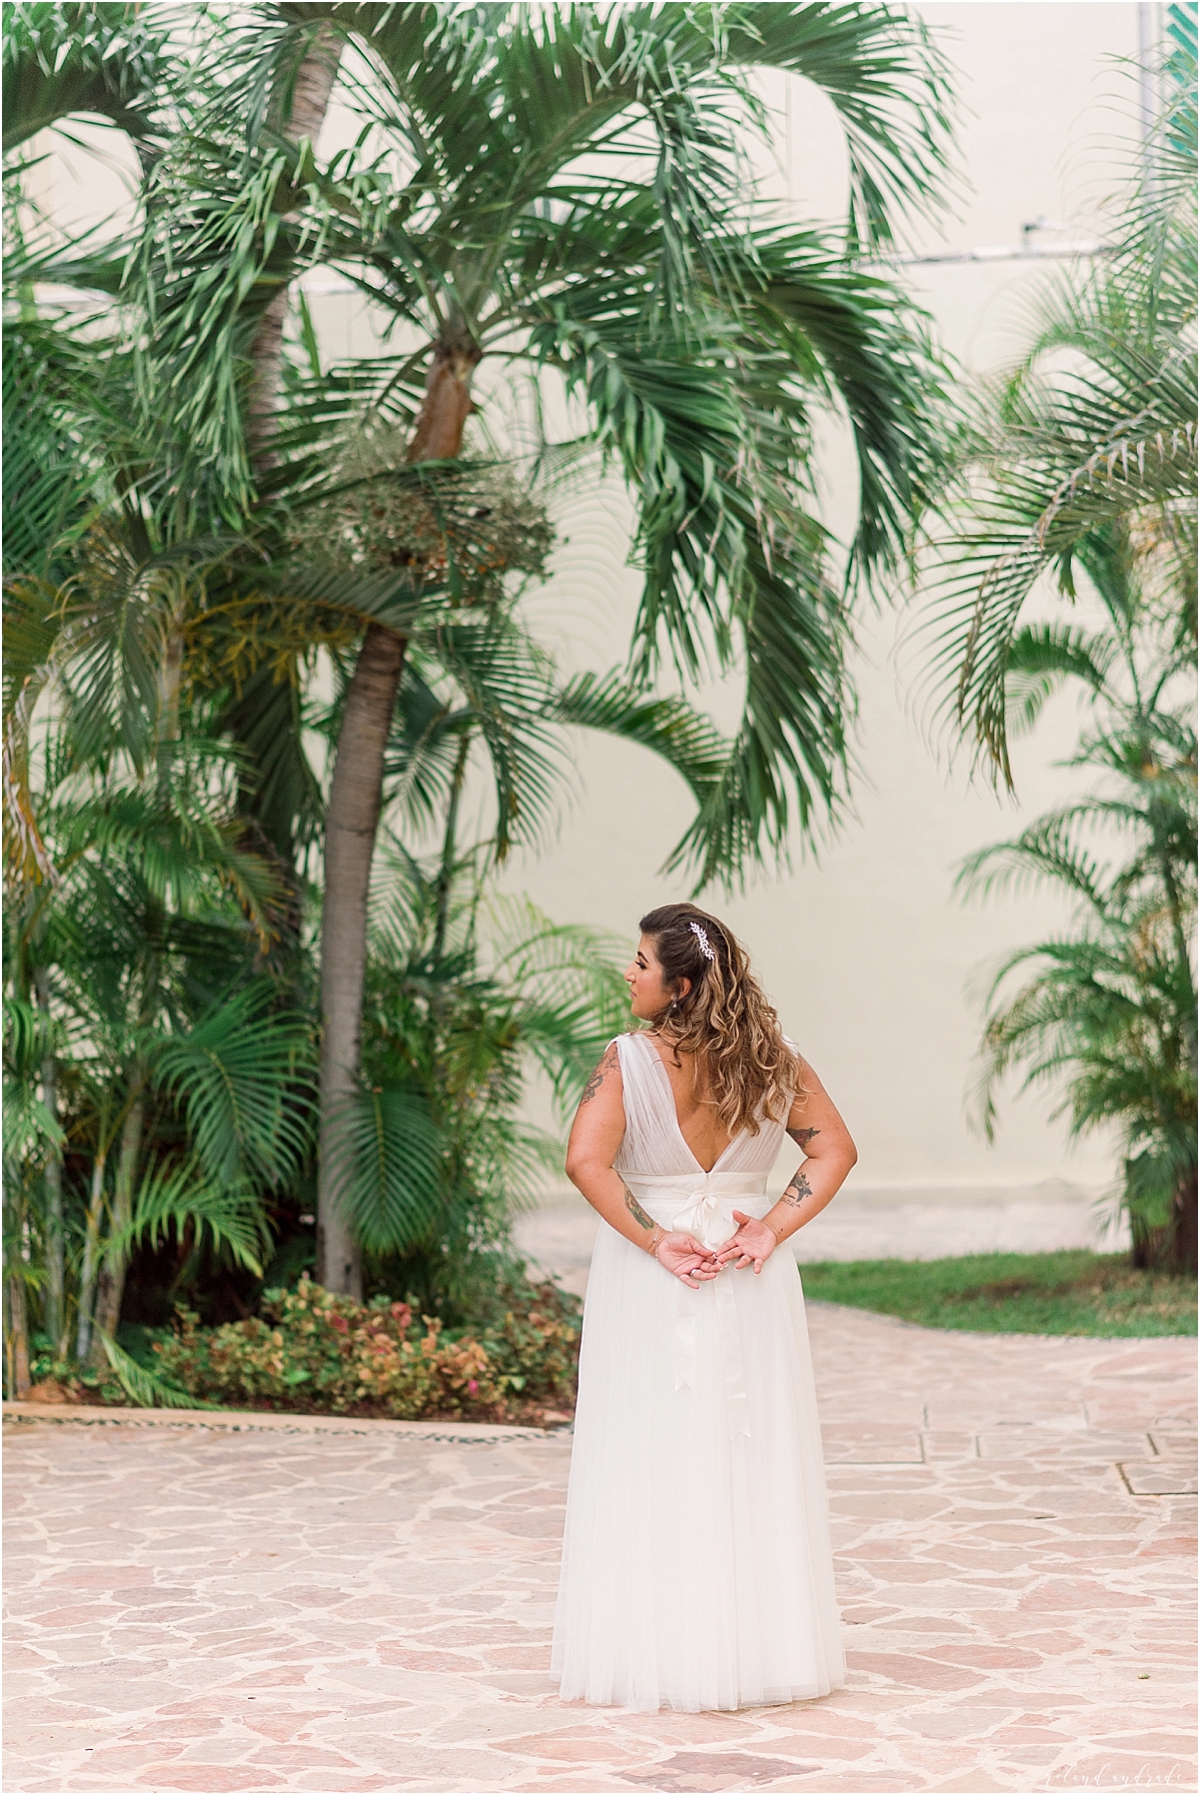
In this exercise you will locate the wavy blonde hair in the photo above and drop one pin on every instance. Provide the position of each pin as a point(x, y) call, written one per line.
point(724, 1020)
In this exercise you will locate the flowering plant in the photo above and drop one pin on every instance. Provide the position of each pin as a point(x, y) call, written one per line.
point(314, 1351)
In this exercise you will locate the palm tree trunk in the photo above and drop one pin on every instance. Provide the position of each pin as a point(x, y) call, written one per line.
point(56, 1259)
point(355, 802)
point(1183, 1227)
point(300, 117)
point(309, 103)
point(91, 1258)
point(17, 1337)
point(1172, 1247)
point(353, 817)
point(16, 1329)
point(446, 876)
point(110, 1286)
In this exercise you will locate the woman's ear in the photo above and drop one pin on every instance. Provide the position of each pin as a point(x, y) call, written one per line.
point(685, 986)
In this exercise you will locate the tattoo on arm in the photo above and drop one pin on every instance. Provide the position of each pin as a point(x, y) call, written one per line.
point(802, 1136)
point(598, 1076)
point(797, 1190)
point(635, 1209)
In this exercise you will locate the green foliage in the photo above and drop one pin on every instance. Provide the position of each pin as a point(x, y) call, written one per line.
point(142, 1387)
point(319, 1353)
point(570, 188)
point(1108, 1010)
point(239, 1075)
point(69, 60)
point(1090, 438)
point(465, 994)
point(1079, 468)
point(1014, 1293)
point(174, 1200)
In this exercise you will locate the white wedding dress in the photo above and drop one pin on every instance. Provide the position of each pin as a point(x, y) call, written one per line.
point(697, 1568)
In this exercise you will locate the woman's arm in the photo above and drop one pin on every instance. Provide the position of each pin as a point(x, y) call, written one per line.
point(829, 1153)
point(596, 1136)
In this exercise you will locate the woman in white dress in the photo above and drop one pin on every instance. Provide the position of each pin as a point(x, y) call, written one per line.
point(697, 1567)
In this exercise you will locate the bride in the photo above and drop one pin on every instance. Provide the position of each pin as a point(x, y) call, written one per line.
point(697, 1568)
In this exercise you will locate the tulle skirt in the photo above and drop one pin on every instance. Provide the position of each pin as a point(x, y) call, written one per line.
point(697, 1567)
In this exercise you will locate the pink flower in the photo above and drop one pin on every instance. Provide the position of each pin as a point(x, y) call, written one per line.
point(472, 1385)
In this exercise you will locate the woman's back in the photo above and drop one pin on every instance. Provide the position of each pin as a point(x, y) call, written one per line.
point(669, 1131)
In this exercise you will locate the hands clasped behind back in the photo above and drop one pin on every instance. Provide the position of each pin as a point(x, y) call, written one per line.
point(688, 1259)
point(752, 1244)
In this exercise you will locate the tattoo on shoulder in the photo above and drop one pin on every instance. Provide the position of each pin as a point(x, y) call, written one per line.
point(600, 1074)
point(636, 1211)
point(802, 1136)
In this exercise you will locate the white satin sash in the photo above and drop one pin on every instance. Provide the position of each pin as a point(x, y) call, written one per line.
point(702, 1204)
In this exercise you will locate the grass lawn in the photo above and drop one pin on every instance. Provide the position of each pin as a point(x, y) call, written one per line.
point(1013, 1293)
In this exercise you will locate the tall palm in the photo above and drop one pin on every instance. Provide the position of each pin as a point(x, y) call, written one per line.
point(699, 339)
point(507, 224)
point(1093, 429)
point(1109, 1008)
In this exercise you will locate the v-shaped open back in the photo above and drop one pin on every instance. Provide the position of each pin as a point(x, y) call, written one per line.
point(655, 1144)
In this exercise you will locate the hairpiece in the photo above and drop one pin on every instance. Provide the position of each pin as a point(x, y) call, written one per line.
point(702, 938)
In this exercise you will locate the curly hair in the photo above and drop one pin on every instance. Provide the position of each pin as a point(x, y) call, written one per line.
point(724, 1020)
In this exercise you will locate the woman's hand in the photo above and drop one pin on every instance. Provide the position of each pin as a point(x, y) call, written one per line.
point(753, 1243)
point(687, 1258)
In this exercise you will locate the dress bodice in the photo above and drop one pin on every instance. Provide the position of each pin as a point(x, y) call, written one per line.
point(654, 1145)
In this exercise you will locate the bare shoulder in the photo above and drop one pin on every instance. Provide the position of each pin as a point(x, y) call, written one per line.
point(813, 1121)
point(607, 1072)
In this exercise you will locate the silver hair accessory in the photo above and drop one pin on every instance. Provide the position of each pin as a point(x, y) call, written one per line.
point(702, 938)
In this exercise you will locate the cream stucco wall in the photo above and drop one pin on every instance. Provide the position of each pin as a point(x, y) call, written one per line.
point(866, 951)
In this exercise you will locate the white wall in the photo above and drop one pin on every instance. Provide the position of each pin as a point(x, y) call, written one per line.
point(866, 952)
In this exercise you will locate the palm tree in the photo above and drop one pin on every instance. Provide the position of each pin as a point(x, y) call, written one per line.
point(1078, 473)
point(177, 1084)
point(465, 994)
point(508, 225)
point(1093, 429)
point(698, 337)
point(1111, 1006)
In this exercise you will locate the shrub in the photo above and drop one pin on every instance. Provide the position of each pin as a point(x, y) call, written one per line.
point(311, 1350)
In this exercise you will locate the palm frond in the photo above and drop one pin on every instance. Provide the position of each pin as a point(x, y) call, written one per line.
point(142, 1387)
point(1043, 657)
point(1085, 453)
point(174, 1199)
point(670, 727)
point(1045, 851)
point(891, 87)
point(243, 1076)
point(385, 1153)
point(567, 979)
point(82, 59)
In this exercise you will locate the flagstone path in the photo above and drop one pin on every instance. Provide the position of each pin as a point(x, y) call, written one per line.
point(357, 1606)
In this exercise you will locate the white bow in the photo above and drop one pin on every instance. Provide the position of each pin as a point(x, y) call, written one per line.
point(708, 1216)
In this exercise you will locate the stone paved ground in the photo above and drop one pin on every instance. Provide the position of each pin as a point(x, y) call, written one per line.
point(356, 1608)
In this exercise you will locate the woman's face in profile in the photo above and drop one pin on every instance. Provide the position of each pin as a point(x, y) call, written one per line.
point(648, 995)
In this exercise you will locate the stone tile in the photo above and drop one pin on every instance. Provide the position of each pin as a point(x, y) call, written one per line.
point(364, 1608)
